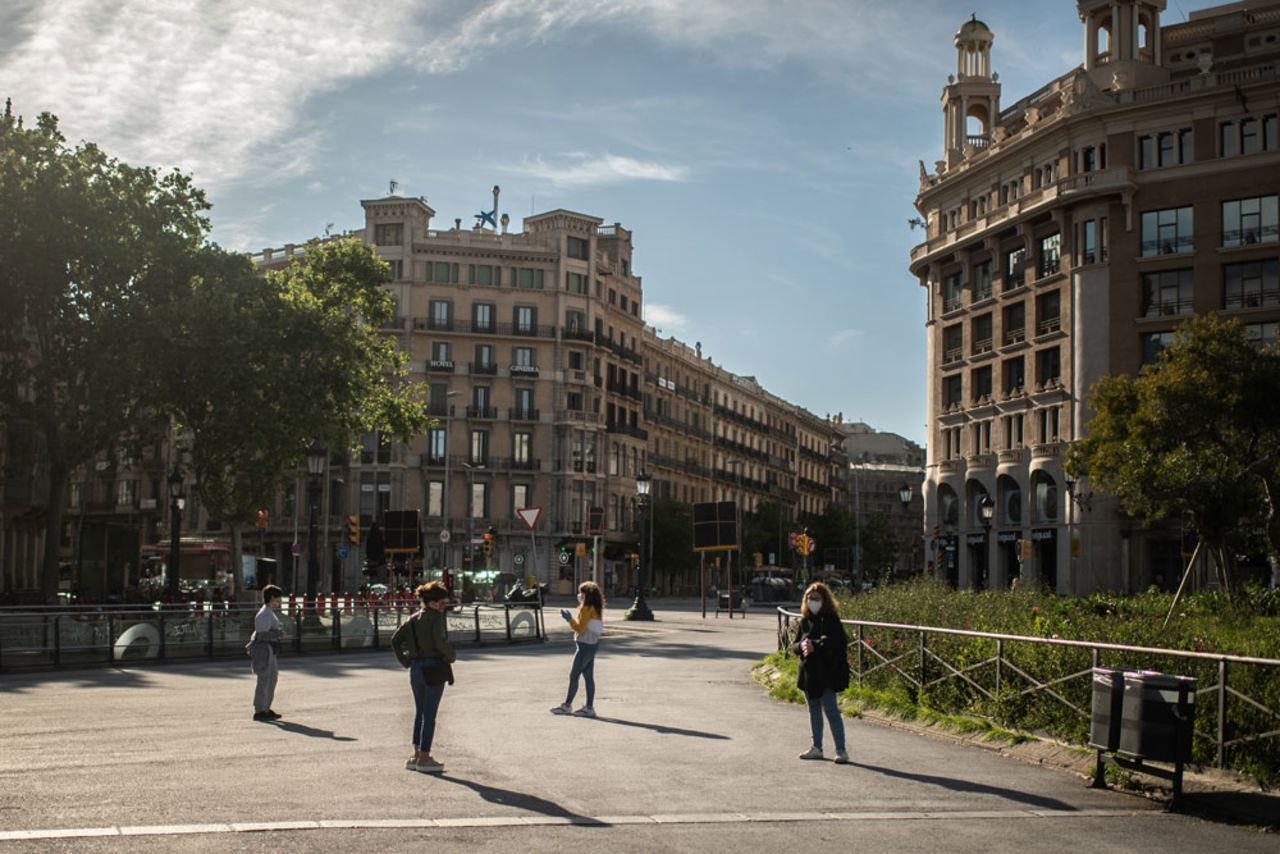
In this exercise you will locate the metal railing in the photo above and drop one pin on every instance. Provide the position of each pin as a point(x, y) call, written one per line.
point(58, 637)
point(998, 682)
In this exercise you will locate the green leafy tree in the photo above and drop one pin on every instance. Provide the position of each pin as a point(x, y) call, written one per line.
point(80, 235)
point(673, 556)
point(762, 530)
point(1195, 436)
point(253, 368)
point(879, 547)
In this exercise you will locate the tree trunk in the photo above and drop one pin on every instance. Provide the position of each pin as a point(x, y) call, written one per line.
point(237, 561)
point(51, 569)
point(1273, 529)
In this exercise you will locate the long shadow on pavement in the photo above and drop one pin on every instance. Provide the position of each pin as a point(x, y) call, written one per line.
point(975, 788)
point(522, 800)
point(310, 732)
point(662, 729)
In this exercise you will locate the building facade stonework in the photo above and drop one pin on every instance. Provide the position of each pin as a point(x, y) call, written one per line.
point(1067, 235)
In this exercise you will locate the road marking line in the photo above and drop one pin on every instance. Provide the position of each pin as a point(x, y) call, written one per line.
point(545, 821)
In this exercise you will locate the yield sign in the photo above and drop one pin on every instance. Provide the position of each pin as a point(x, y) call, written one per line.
point(529, 515)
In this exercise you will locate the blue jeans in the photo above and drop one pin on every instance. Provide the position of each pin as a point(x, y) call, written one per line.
point(584, 665)
point(426, 702)
point(826, 703)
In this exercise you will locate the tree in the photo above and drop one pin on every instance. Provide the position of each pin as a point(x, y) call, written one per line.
point(254, 368)
point(879, 548)
point(1195, 436)
point(80, 232)
point(672, 540)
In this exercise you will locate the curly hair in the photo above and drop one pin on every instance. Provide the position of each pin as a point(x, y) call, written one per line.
point(592, 596)
point(432, 591)
point(829, 603)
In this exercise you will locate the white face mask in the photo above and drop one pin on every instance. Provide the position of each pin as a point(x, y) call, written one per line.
point(815, 605)
point(582, 597)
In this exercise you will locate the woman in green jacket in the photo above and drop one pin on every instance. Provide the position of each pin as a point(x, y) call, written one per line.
point(422, 645)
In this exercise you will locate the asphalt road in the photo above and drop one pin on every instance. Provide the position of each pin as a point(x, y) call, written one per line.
point(688, 754)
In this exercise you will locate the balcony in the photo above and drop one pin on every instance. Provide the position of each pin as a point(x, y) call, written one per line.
point(1048, 325)
point(1013, 281)
point(490, 368)
point(440, 366)
point(525, 415)
point(1258, 299)
point(954, 354)
point(487, 412)
point(1250, 236)
point(1048, 267)
point(435, 324)
point(396, 324)
point(434, 461)
point(1168, 308)
point(527, 464)
point(1169, 246)
point(1015, 336)
point(982, 345)
point(524, 370)
point(574, 333)
point(952, 304)
point(982, 292)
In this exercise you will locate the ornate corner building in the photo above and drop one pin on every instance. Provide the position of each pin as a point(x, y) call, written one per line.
point(1067, 235)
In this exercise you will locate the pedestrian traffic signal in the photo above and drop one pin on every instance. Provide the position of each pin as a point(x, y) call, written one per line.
point(353, 530)
point(264, 519)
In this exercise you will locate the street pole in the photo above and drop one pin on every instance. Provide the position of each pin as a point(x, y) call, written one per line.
point(857, 527)
point(639, 609)
point(313, 561)
point(175, 533)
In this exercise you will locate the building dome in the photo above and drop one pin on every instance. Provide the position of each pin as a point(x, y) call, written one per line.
point(973, 27)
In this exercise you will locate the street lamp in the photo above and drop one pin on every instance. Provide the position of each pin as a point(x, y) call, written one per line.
point(315, 467)
point(905, 493)
point(639, 609)
point(986, 510)
point(177, 503)
point(737, 464)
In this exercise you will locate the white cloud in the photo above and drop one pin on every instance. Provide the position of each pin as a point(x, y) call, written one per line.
point(843, 336)
point(665, 317)
point(214, 88)
point(579, 169)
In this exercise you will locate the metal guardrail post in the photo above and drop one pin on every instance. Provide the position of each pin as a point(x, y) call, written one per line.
point(163, 643)
point(920, 697)
point(476, 612)
point(999, 671)
point(507, 611)
point(336, 613)
point(57, 641)
point(860, 656)
point(377, 641)
point(209, 642)
point(111, 625)
point(1222, 712)
point(297, 629)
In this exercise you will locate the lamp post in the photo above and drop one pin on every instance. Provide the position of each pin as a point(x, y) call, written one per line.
point(315, 467)
point(639, 609)
point(904, 495)
point(471, 514)
point(736, 464)
point(177, 503)
point(986, 510)
point(447, 520)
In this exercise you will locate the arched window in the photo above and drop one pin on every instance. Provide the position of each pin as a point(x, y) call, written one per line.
point(1044, 496)
point(1009, 500)
point(948, 506)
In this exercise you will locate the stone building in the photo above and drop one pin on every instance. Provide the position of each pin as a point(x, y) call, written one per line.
point(1067, 235)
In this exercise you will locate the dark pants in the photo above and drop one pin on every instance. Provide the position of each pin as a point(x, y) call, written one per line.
point(426, 702)
point(584, 665)
point(817, 706)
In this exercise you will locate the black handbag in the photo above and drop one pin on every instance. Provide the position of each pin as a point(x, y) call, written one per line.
point(438, 674)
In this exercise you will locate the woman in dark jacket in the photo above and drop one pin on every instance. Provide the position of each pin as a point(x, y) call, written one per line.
point(824, 666)
point(422, 645)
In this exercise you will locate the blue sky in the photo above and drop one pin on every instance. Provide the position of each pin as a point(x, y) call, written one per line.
point(762, 151)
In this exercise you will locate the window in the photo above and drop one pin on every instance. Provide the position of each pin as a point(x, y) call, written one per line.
point(951, 292)
point(1013, 431)
point(1048, 367)
point(1167, 232)
point(527, 278)
point(1088, 242)
point(1249, 221)
point(952, 343)
point(573, 401)
point(1014, 375)
point(441, 271)
point(440, 354)
point(1249, 135)
point(575, 283)
point(521, 448)
point(1013, 265)
point(479, 447)
point(1261, 334)
point(1088, 159)
point(1048, 313)
point(613, 297)
point(982, 334)
point(435, 498)
point(980, 431)
point(576, 247)
point(388, 234)
point(981, 281)
point(479, 508)
point(1152, 344)
point(980, 381)
point(1050, 255)
point(484, 356)
point(397, 268)
point(482, 317)
point(1167, 292)
point(1168, 148)
point(1251, 285)
point(520, 493)
point(126, 490)
point(522, 357)
point(524, 403)
point(576, 361)
point(481, 274)
point(526, 319)
point(441, 314)
point(436, 445)
point(1047, 425)
point(952, 388)
point(1015, 323)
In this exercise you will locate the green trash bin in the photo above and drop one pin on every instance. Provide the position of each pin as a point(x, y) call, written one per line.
point(1157, 716)
point(1108, 699)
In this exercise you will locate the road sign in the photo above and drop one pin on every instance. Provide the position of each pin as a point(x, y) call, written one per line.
point(529, 515)
point(444, 536)
point(595, 520)
point(518, 559)
point(564, 558)
point(296, 549)
point(343, 552)
point(580, 549)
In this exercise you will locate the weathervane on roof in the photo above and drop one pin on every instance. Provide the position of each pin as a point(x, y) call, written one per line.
point(490, 218)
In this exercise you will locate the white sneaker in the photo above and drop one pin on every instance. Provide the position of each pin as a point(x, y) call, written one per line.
point(812, 753)
point(562, 709)
point(429, 766)
point(585, 712)
point(842, 757)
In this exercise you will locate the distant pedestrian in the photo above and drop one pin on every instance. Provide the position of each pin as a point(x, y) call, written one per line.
point(422, 645)
point(587, 625)
point(824, 667)
point(263, 648)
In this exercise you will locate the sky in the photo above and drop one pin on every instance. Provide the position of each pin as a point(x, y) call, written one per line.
point(763, 152)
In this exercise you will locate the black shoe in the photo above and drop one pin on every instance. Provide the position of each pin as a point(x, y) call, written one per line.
point(272, 715)
point(261, 716)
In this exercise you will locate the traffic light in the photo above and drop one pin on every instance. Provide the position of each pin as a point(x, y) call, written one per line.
point(264, 519)
point(635, 560)
point(803, 545)
point(353, 530)
point(791, 541)
point(488, 541)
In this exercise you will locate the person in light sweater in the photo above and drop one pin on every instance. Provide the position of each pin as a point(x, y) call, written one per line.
point(263, 645)
point(587, 625)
